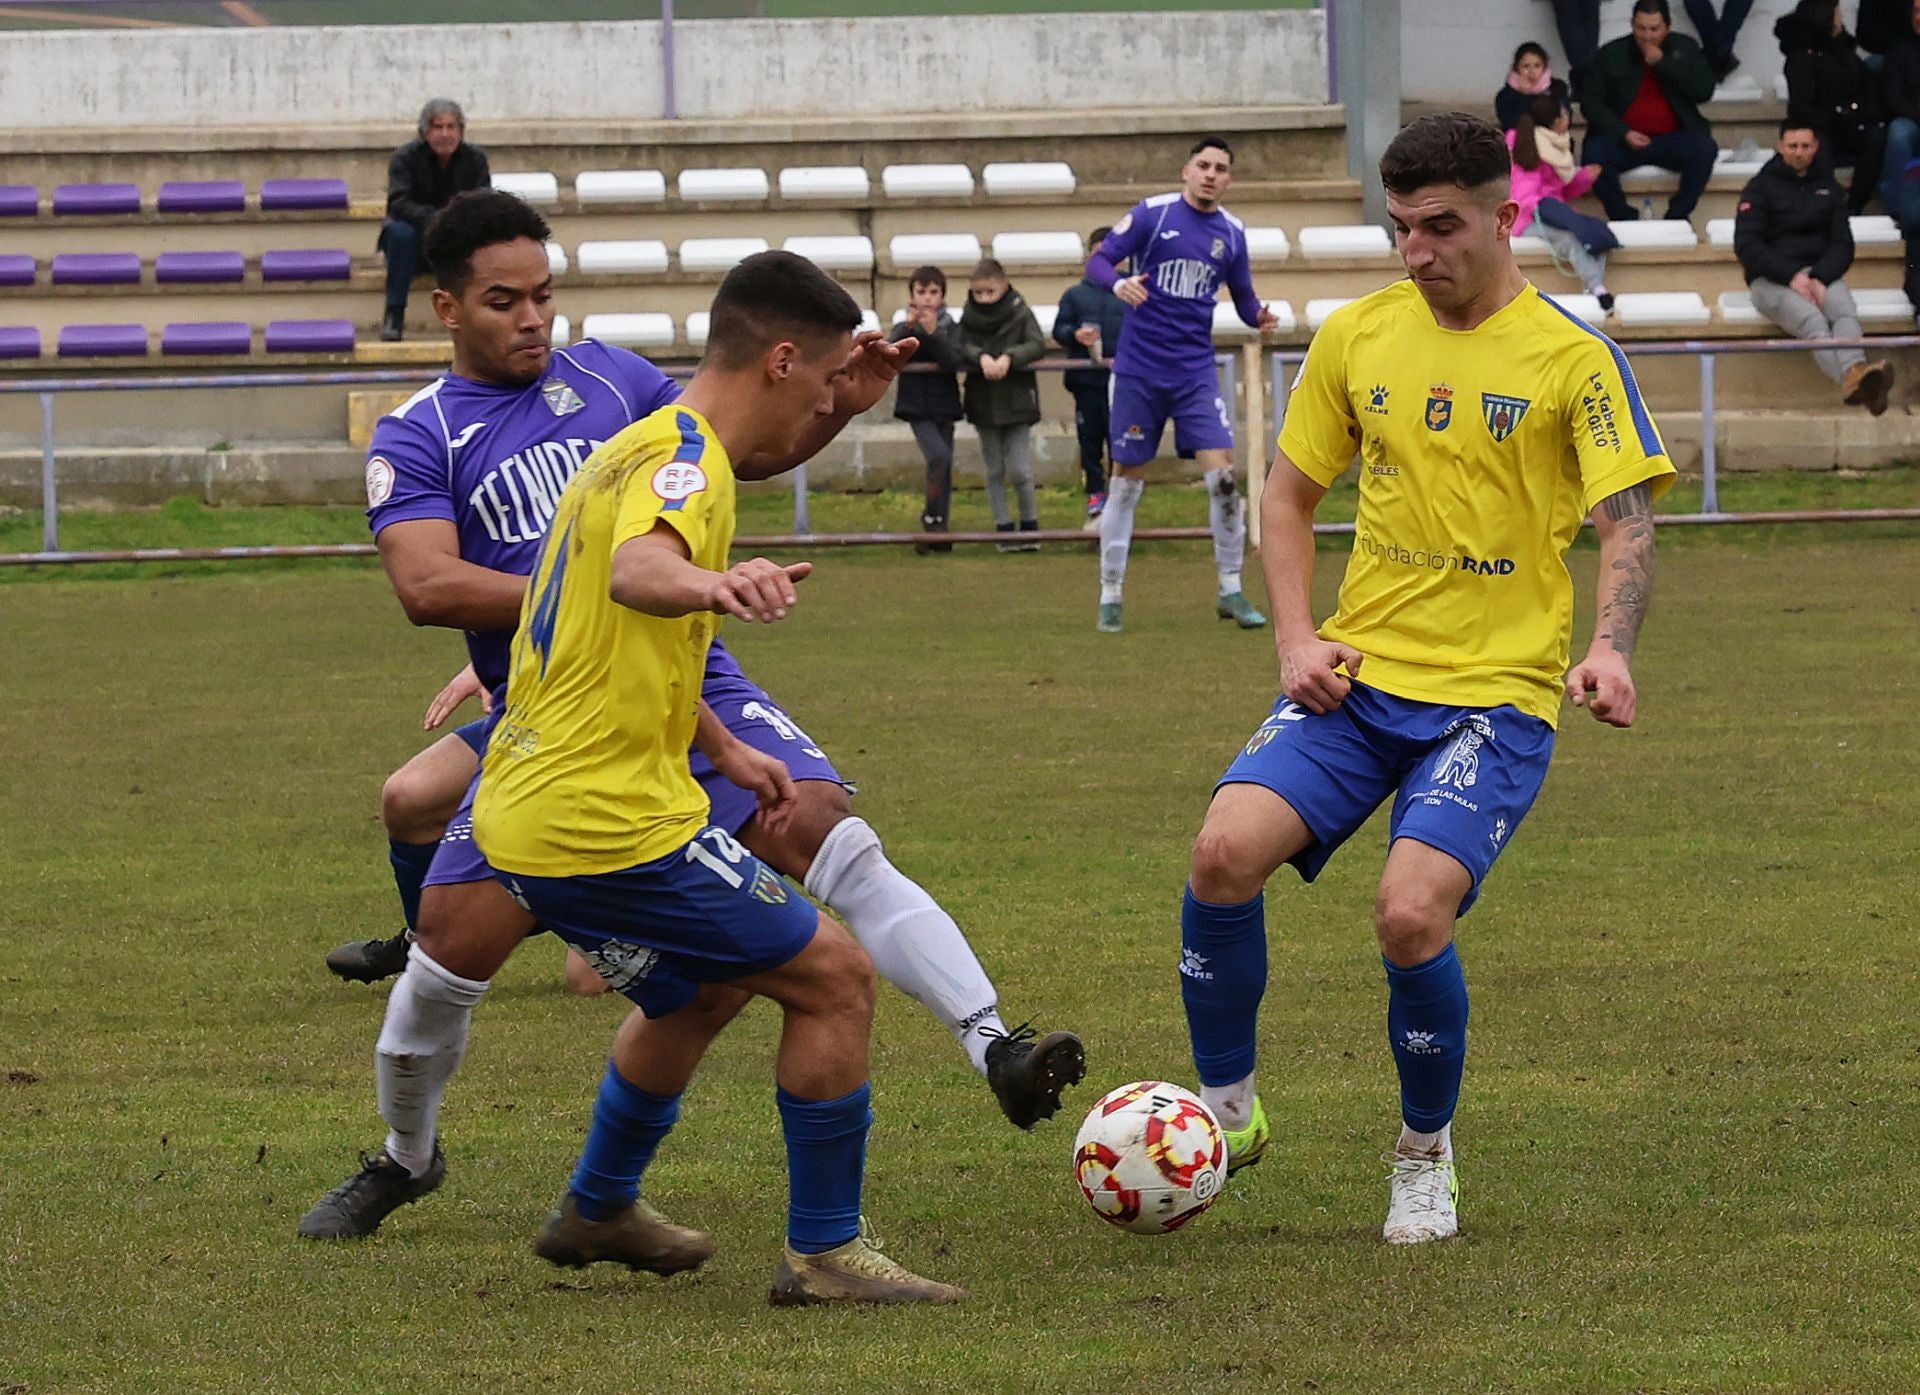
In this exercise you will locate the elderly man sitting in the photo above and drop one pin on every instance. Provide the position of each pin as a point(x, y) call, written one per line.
point(422, 178)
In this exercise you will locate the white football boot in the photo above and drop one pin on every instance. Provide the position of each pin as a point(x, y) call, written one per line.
point(1424, 1195)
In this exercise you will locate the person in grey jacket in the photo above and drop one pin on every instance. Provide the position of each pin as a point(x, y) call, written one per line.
point(422, 178)
point(1088, 327)
point(1000, 339)
point(930, 402)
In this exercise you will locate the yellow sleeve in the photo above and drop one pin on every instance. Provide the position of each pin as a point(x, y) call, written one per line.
point(1321, 434)
point(666, 489)
point(1613, 433)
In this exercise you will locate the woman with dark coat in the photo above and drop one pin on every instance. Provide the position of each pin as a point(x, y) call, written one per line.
point(1830, 89)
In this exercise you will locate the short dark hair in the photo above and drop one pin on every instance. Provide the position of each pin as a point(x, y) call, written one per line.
point(478, 218)
point(1447, 147)
point(987, 269)
point(773, 296)
point(1211, 143)
point(1528, 47)
point(1097, 236)
point(928, 276)
point(1798, 123)
point(1653, 7)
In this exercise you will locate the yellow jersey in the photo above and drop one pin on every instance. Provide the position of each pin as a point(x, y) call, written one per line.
point(587, 771)
point(1480, 453)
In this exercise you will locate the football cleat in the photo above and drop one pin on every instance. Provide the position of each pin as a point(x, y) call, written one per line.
point(1247, 1146)
point(354, 1209)
point(1424, 1200)
point(369, 961)
point(638, 1237)
point(1237, 608)
point(1109, 623)
point(856, 1272)
point(1027, 1075)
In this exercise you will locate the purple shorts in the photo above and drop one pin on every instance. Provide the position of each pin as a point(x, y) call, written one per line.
point(748, 713)
point(1138, 408)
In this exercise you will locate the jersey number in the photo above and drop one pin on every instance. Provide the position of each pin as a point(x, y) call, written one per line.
point(721, 858)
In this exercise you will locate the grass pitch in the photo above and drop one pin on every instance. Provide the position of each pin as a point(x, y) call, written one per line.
point(1686, 1138)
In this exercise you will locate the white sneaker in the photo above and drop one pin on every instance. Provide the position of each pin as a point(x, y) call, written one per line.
point(1424, 1196)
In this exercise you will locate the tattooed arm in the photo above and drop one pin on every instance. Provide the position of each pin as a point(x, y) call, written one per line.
point(1603, 681)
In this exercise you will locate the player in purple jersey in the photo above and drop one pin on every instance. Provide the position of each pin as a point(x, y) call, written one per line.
point(1183, 247)
point(462, 482)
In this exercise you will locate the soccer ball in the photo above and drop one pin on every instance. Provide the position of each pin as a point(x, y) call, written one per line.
point(1150, 1157)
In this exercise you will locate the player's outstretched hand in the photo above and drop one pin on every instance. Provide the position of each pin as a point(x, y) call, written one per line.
point(871, 368)
point(766, 776)
point(1603, 684)
point(758, 589)
point(1269, 321)
point(1308, 673)
point(1131, 289)
point(466, 683)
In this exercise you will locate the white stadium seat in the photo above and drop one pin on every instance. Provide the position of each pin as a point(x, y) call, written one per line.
point(1736, 308)
point(1649, 179)
point(1227, 323)
point(556, 259)
point(1027, 178)
point(944, 250)
point(1039, 248)
point(824, 182)
point(649, 330)
point(1661, 309)
point(1780, 87)
point(718, 253)
point(698, 324)
point(927, 182)
point(1585, 307)
point(620, 186)
point(1666, 234)
point(1720, 232)
point(534, 186)
point(561, 334)
point(1883, 307)
point(723, 186)
point(869, 322)
point(1738, 88)
point(1268, 245)
point(1733, 163)
point(1874, 230)
point(838, 253)
point(1046, 316)
point(603, 258)
point(1319, 309)
point(1345, 240)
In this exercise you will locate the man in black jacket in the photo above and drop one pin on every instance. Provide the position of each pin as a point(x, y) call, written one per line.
point(1794, 243)
point(422, 178)
point(1087, 326)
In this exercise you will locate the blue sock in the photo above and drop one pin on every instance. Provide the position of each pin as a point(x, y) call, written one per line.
point(628, 1124)
point(410, 862)
point(826, 1163)
point(1223, 974)
point(1427, 1028)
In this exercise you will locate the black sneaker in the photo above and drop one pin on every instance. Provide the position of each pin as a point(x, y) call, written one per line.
point(393, 325)
point(1027, 1075)
point(932, 523)
point(355, 1208)
point(369, 961)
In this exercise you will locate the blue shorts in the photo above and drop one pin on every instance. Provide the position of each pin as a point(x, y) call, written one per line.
point(748, 713)
point(1138, 408)
point(707, 912)
point(1464, 776)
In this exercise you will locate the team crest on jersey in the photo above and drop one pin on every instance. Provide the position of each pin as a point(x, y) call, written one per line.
point(1126, 221)
point(1503, 413)
point(1219, 249)
point(560, 397)
point(677, 481)
point(379, 481)
point(1133, 433)
point(768, 886)
point(1439, 407)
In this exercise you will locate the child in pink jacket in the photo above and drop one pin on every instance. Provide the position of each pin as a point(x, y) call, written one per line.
point(1545, 180)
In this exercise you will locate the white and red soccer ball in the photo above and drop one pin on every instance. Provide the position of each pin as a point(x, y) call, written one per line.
point(1150, 1157)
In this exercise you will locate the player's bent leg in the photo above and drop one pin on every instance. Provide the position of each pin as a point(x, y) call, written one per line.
point(1129, 482)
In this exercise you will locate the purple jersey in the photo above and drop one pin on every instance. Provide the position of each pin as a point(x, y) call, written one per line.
point(1186, 256)
point(492, 460)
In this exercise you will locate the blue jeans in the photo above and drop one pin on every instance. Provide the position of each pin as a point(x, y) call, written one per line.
point(400, 241)
point(1899, 184)
point(1687, 153)
point(1717, 34)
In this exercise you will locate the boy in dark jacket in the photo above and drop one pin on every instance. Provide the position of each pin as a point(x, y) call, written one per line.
point(1088, 326)
point(1000, 338)
point(1642, 103)
point(1794, 243)
point(930, 402)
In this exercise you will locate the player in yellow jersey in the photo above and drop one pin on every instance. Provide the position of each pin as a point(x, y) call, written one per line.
point(1487, 422)
point(590, 815)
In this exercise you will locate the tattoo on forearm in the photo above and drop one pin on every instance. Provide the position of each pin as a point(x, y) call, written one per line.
point(1625, 607)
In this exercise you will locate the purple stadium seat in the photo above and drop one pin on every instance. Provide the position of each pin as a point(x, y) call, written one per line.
point(202, 196)
point(306, 264)
point(207, 337)
point(19, 341)
point(96, 269)
point(19, 200)
point(310, 336)
point(96, 198)
point(16, 270)
point(303, 193)
point(199, 266)
point(99, 341)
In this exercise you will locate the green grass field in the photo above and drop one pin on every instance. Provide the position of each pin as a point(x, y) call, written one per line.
point(1689, 1104)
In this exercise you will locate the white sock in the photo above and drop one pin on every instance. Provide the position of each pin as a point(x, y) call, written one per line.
point(1116, 534)
point(1229, 583)
point(421, 1043)
point(915, 945)
point(1231, 1104)
point(1414, 1144)
point(1227, 515)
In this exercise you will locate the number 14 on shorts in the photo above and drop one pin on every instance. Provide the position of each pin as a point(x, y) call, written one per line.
point(721, 854)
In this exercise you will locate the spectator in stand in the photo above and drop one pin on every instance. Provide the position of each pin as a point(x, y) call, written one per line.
point(422, 178)
point(1000, 338)
point(1087, 326)
point(1900, 174)
point(1529, 77)
point(1643, 108)
point(1717, 32)
point(1794, 245)
point(1830, 90)
point(1879, 27)
point(930, 402)
point(1578, 22)
point(1545, 182)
